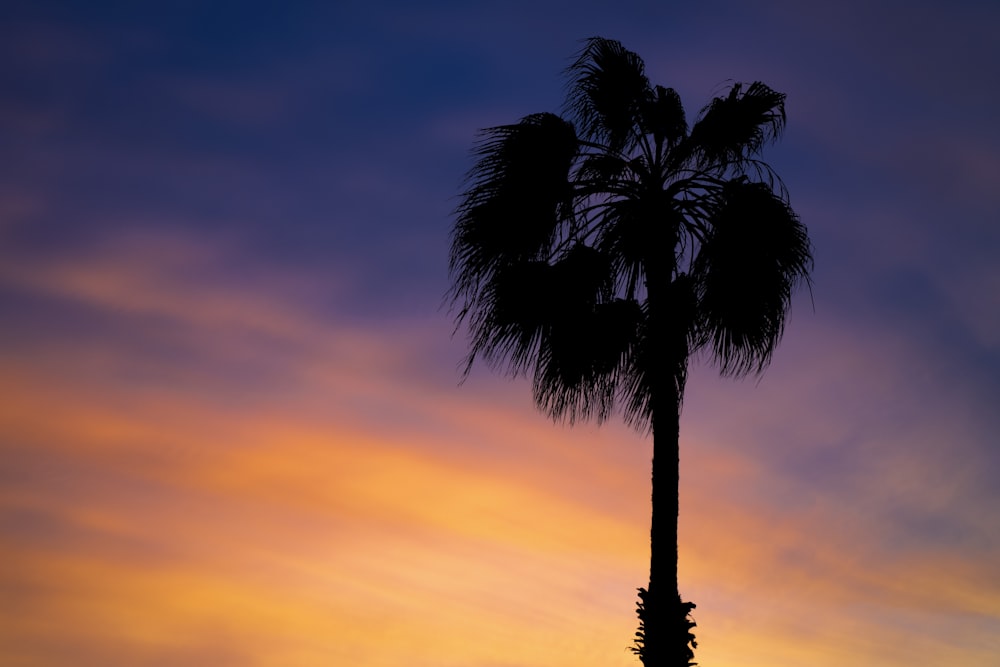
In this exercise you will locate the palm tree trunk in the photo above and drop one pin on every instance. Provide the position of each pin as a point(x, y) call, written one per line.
point(665, 501)
point(665, 627)
point(664, 638)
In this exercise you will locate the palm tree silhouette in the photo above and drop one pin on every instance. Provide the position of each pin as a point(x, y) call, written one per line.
point(599, 254)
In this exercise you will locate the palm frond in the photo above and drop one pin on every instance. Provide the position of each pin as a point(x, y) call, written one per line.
point(518, 309)
point(607, 91)
point(511, 315)
point(746, 271)
point(662, 115)
point(733, 128)
point(601, 172)
point(518, 194)
point(583, 359)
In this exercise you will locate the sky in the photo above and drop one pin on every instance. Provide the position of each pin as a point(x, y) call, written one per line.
point(232, 428)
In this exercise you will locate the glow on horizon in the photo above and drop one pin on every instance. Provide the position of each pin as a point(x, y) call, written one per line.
point(159, 508)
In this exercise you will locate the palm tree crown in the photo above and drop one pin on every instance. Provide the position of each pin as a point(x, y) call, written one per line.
point(589, 252)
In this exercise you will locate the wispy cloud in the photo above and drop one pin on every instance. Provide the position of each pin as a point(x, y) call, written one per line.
point(162, 496)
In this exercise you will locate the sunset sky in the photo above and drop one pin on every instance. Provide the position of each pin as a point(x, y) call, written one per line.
point(231, 428)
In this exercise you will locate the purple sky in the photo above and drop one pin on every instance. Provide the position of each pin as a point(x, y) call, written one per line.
point(214, 214)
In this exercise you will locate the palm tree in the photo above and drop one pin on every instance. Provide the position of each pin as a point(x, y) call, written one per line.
point(600, 252)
